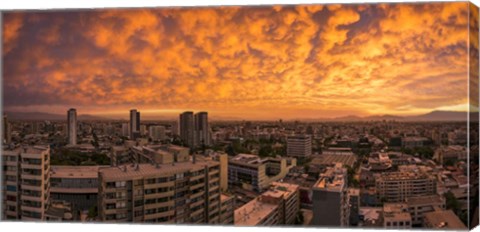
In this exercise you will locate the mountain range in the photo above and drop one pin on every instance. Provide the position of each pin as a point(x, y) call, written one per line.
point(432, 116)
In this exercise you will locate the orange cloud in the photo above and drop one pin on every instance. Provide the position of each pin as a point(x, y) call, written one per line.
point(252, 62)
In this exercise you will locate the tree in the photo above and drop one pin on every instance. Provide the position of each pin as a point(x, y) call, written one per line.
point(299, 219)
point(93, 212)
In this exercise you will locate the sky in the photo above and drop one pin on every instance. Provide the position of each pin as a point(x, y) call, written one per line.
point(269, 62)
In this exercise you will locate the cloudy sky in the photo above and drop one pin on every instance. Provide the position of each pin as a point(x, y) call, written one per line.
point(311, 61)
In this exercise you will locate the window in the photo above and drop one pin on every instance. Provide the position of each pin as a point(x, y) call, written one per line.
point(120, 184)
point(11, 188)
point(120, 205)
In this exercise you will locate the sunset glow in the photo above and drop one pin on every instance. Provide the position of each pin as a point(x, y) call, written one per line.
point(311, 61)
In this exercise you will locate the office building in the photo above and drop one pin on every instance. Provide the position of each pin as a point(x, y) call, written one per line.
point(254, 173)
point(299, 146)
point(398, 186)
point(187, 129)
point(72, 126)
point(182, 193)
point(330, 198)
point(134, 124)
point(26, 184)
point(125, 129)
point(202, 130)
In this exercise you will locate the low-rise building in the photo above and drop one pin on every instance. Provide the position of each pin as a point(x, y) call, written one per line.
point(396, 216)
point(443, 219)
point(255, 173)
point(398, 186)
point(419, 205)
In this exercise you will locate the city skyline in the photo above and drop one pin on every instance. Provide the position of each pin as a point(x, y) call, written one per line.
point(242, 62)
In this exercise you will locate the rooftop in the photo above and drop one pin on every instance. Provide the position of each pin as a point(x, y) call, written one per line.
point(145, 170)
point(425, 200)
point(333, 179)
point(74, 171)
point(444, 219)
point(253, 212)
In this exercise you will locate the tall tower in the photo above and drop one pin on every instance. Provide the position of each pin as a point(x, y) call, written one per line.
point(134, 124)
point(202, 135)
point(7, 137)
point(72, 126)
point(187, 128)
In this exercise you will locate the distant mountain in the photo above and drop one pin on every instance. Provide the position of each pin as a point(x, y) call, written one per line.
point(439, 115)
point(432, 116)
point(40, 116)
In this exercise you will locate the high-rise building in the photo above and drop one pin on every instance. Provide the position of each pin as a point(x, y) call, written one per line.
point(187, 129)
point(72, 126)
point(134, 124)
point(26, 183)
point(7, 137)
point(126, 129)
point(202, 130)
point(299, 146)
point(180, 192)
point(330, 198)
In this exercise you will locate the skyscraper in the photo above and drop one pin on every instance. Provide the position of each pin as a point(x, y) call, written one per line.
point(202, 135)
point(134, 124)
point(187, 128)
point(72, 126)
point(7, 137)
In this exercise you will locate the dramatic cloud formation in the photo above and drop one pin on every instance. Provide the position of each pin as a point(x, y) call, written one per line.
point(309, 61)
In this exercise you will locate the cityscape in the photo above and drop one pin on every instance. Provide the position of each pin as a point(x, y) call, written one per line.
point(123, 116)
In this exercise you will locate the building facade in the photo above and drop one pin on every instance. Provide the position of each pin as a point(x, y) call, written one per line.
point(26, 189)
point(299, 146)
point(72, 126)
point(330, 198)
point(187, 129)
point(398, 186)
point(183, 192)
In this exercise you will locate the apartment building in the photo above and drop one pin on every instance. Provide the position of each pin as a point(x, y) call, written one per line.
point(76, 185)
point(277, 206)
point(330, 198)
point(26, 187)
point(177, 192)
point(443, 220)
point(418, 206)
point(398, 186)
point(396, 216)
point(227, 208)
point(254, 173)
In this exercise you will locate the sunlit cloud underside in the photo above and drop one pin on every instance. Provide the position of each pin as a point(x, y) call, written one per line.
point(307, 61)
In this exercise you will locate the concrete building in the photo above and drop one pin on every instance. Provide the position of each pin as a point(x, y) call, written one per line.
point(452, 153)
point(258, 213)
point(419, 205)
point(289, 196)
point(330, 198)
point(254, 173)
point(72, 126)
point(227, 209)
point(398, 186)
point(134, 124)
point(299, 146)
point(161, 154)
point(157, 133)
point(187, 129)
point(125, 129)
point(76, 185)
point(396, 216)
point(222, 158)
point(202, 130)
point(26, 187)
point(182, 193)
point(444, 220)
